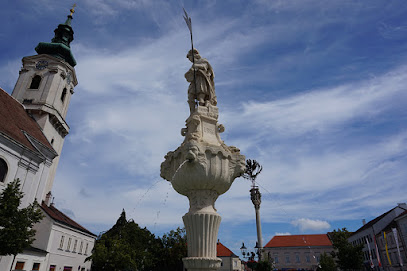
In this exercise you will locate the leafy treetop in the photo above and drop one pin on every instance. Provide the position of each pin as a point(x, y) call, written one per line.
point(349, 257)
point(16, 232)
point(127, 247)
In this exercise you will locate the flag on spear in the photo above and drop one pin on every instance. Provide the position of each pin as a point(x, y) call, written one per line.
point(189, 24)
point(188, 21)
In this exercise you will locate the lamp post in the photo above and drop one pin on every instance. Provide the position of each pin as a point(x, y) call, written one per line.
point(250, 255)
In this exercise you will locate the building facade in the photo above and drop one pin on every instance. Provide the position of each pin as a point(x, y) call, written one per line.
point(371, 235)
point(230, 262)
point(32, 133)
point(401, 221)
point(297, 251)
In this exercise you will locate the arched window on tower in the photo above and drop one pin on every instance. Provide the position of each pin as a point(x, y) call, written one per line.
point(35, 83)
point(63, 95)
point(3, 170)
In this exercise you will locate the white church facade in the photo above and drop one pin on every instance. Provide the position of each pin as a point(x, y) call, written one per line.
point(32, 133)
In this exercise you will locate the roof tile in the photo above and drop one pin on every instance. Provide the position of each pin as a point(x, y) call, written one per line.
point(14, 120)
point(222, 251)
point(299, 240)
point(57, 215)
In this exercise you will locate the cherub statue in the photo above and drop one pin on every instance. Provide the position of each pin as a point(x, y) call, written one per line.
point(202, 89)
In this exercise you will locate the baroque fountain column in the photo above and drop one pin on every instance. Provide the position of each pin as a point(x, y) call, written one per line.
point(203, 167)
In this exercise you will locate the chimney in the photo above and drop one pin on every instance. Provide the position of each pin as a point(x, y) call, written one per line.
point(364, 221)
point(48, 199)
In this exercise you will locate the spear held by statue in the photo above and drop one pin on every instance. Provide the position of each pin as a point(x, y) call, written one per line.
point(189, 24)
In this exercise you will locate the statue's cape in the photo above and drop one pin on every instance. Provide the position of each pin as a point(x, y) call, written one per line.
point(209, 80)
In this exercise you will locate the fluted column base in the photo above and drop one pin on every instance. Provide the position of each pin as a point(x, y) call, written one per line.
point(201, 263)
point(202, 232)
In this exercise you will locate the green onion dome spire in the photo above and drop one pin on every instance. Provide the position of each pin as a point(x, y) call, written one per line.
point(60, 45)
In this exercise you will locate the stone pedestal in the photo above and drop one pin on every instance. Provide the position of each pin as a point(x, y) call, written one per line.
point(202, 169)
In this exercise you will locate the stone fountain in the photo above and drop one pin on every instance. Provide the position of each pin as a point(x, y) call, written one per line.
point(203, 167)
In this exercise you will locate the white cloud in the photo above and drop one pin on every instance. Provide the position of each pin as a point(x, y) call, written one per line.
point(305, 224)
point(324, 109)
point(323, 149)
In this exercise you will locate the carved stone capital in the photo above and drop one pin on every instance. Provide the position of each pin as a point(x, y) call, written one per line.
point(202, 201)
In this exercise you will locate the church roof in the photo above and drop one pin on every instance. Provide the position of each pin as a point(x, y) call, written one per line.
point(304, 240)
point(14, 121)
point(60, 217)
point(222, 251)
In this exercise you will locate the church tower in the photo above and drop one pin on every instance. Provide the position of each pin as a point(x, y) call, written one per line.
point(45, 86)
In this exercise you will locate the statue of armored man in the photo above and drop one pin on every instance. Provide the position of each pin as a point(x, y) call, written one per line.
point(201, 77)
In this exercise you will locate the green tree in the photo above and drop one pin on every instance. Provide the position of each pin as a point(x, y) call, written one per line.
point(16, 232)
point(349, 257)
point(326, 263)
point(126, 247)
point(263, 266)
point(173, 250)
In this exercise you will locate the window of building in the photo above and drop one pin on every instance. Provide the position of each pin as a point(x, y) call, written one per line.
point(63, 95)
point(3, 170)
point(373, 254)
point(297, 257)
point(395, 258)
point(19, 266)
point(35, 83)
point(307, 258)
point(74, 246)
point(67, 268)
point(61, 243)
point(276, 257)
point(317, 256)
point(81, 247)
point(86, 249)
point(287, 258)
point(52, 267)
point(36, 266)
point(68, 247)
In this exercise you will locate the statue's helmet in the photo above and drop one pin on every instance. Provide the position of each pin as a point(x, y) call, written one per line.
point(196, 53)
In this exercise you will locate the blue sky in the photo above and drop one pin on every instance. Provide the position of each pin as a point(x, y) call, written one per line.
point(313, 90)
